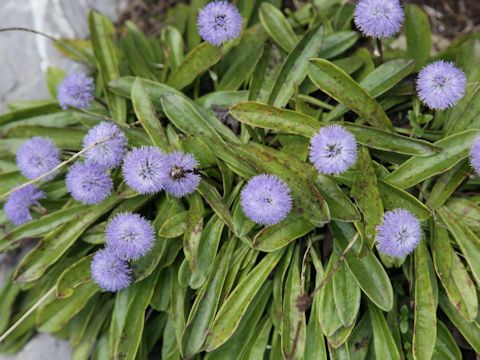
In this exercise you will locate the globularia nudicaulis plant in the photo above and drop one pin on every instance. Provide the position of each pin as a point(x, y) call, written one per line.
point(293, 185)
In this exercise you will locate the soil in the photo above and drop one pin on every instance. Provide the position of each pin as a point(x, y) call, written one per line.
point(449, 18)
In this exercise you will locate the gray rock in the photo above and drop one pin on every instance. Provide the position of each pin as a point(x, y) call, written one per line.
point(25, 57)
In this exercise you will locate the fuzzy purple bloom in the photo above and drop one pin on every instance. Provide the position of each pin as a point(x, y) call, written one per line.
point(219, 22)
point(88, 183)
point(110, 272)
point(109, 153)
point(129, 236)
point(441, 85)
point(379, 18)
point(475, 155)
point(266, 199)
point(37, 156)
point(145, 169)
point(399, 233)
point(333, 150)
point(76, 90)
point(181, 179)
point(17, 206)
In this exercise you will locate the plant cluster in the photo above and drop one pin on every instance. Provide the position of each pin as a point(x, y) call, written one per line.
point(250, 184)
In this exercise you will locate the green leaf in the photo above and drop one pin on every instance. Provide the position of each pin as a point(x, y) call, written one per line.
point(145, 112)
point(216, 202)
point(446, 185)
point(128, 318)
point(193, 230)
point(416, 169)
point(173, 42)
point(205, 306)
point(233, 309)
point(468, 242)
point(346, 294)
point(277, 27)
point(335, 82)
point(236, 346)
point(40, 226)
point(56, 243)
point(197, 61)
point(383, 342)
point(102, 30)
point(292, 316)
point(294, 69)
point(274, 237)
point(360, 339)
point(243, 60)
point(379, 81)
point(446, 347)
point(53, 316)
point(175, 226)
point(452, 273)
point(424, 331)
point(393, 198)
point(366, 193)
point(74, 276)
point(314, 342)
point(469, 330)
point(48, 107)
point(419, 35)
point(367, 270)
point(207, 251)
point(328, 316)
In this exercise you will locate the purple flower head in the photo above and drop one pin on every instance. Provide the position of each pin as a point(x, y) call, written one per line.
point(88, 183)
point(76, 90)
point(129, 236)
point(110, 272)
point(108, 153)
point(266, 199)
point(181, 179)
point(333, 150)
point(37, 156)
point(219, 22)
point(399, 233)
point(17, 206)
point(379, 18)
point(441, 85)
point(475, 155)
point(145, 169)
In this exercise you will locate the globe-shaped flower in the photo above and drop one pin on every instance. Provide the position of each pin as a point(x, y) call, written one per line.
point(17, 206)
point(266, 199)
point(399, 233)
point(110, 272)
point(219, 22)
point(333, 150)
point(475, 155)
point(88, 183)
point(108, 153)
point(441, 85)
point(181, 179)
point(379, 18)
point(129, 236)
point(76, 90)
point(37, 156)
point(145, 169)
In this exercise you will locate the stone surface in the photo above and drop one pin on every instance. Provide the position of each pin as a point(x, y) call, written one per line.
point(24, 59)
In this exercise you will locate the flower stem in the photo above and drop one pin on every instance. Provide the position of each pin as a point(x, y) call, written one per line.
point(27, 314)
point(380, 50)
